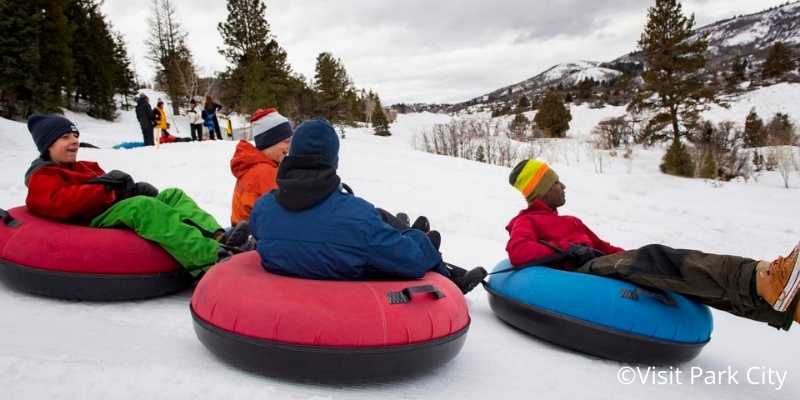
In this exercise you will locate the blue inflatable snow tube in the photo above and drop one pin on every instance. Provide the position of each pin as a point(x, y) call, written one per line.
point(128, 145)
point(600, 316)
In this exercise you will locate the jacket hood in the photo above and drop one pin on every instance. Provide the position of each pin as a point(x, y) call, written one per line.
point(35, 166)
point(246, 157)
point(305, 181)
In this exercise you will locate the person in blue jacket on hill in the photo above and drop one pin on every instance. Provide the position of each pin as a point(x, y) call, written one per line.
point(313, 227)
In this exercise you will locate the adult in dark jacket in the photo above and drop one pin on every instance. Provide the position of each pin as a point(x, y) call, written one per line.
point(209, 115)
point(759, 290)
point(144, 113)
point(311, 227)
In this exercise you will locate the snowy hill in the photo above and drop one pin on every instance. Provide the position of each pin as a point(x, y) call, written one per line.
point(148, 350)
point(749, 35)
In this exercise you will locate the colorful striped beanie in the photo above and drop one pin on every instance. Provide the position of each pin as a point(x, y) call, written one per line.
point(533, 178)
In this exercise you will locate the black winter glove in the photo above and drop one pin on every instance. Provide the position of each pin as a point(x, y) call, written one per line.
point(121, 183)
point(144, 189)
point(579, 254)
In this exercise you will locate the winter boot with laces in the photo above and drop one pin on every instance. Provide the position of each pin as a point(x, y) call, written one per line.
point(780, 283)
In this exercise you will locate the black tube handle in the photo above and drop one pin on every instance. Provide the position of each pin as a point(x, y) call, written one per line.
point(406, 295)
point(7, 219)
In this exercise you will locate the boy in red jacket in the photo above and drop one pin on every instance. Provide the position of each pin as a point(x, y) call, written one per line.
point(760, 290)
point(62, 188)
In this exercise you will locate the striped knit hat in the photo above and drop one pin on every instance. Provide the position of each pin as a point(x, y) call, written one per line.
point(269, 127)
point(533, 178)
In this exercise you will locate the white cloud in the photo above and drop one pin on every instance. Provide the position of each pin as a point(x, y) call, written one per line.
point(428, 51)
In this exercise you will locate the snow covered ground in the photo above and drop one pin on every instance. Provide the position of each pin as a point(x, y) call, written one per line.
point(148, 350)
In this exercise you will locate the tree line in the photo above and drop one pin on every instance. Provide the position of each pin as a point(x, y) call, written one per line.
point(58, 54)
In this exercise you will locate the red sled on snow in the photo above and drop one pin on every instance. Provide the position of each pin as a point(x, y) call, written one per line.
point(327, 331)
point(72, 262)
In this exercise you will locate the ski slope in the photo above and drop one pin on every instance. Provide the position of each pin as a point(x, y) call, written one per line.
point(148, 350)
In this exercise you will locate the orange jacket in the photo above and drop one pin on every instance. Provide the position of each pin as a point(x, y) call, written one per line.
point(255, 175)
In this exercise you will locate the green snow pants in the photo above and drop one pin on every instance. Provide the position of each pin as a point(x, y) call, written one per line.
point(727, 283)
point(173, 221)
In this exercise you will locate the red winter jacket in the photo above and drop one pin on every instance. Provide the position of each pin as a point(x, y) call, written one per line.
point(61, 191)
point(541, 223)
point(256, 175)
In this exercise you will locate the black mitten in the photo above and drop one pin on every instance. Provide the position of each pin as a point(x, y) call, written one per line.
point(120, 182)
point(579, 254)
point(144, 189)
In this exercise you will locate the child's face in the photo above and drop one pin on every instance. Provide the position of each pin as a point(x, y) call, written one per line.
point(65, 149)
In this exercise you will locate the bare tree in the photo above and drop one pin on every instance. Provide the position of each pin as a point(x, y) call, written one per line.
point(785, 162)
point(166, 46)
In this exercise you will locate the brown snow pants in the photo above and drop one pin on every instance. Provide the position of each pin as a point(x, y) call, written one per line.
point(726, 283)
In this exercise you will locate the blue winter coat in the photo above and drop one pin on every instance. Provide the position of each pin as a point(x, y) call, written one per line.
point(342, 237)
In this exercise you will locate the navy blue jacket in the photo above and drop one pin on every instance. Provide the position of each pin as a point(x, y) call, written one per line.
point(311, 228)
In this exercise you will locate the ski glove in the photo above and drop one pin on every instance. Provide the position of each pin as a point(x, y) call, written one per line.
point(579, 254)
point(121, 183)
point(144, 189)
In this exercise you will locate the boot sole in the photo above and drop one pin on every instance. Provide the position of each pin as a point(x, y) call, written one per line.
point(791, 288)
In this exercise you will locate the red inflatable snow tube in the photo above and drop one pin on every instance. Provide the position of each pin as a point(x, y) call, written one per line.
point(73, 262)
point(327, 331)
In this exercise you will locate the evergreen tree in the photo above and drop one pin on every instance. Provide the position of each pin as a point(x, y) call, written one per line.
point(56, 63)
point(553, 117)
point(19, 58)
point(677, 160)
point(379, 121)
point(57, 50)
point(709, 167)
point(259, 75)
point(738, 72)
point(754, 133)
point(480, 155)
point(523, 104)
point(780, 131)
point(124, 78)
point(519, 126)
point(331, 83)
point(674, 62)
point(780, 60)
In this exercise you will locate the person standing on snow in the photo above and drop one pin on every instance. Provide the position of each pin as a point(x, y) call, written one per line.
point(195, 121)
point(311, 227)
point(759, 290)
point(146, 118)
point(67, 190)
point(210, 118)
point(161, 124)
point(256, 167)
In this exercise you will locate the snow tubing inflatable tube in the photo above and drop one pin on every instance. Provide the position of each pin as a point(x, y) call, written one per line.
point(600, 316)
point(327, 331)
point(72, 262)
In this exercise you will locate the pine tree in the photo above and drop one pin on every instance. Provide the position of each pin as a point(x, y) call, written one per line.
point(379, 121)
point(674, 63)
point(677, 160)
point(19, 58)
point(523, 104)
point(519, 126)
point(754, 133)
point(738, 72)
point(780, 60)
point(553, 117)
point(331, 84)
point(56, 63)
point(709, 167)
point(259, 75)
point(480, 155)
